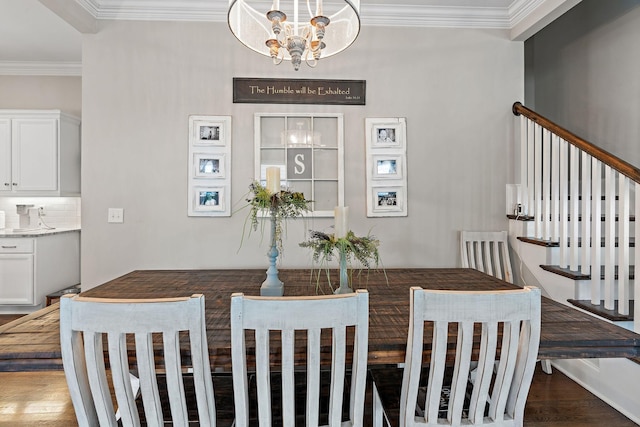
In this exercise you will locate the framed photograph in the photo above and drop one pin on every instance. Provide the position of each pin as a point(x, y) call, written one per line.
point(387, 201)
point(209, 131)
point(208, 199)
point(387, 166)
point(386, 133)
point(209, 165)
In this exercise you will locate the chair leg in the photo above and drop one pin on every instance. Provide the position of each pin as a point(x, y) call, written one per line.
point(378, 411)
point(545, 364)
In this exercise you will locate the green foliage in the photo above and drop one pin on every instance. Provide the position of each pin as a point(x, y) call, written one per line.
point(279, 206)
point(364, 250)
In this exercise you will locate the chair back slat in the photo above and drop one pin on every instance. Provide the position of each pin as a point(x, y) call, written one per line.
point(86, 322)
point(301, 321)
point(313, 376)
point(97, 376)
point(503, 367)
point(436, 375)
point(119, 366)
point(175, 385)
point(263, 375)
point(484, 373)
point(288, 377)
point(464, 347)
point(147, 376)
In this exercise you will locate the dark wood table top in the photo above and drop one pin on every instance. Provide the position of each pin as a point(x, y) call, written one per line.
point(32, 342)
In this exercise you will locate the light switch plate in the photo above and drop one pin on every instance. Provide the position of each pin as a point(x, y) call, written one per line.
point(116, 215)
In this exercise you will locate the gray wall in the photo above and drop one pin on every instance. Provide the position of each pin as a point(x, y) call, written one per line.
point(582, 73)
point(141, 81)
point(42, 93)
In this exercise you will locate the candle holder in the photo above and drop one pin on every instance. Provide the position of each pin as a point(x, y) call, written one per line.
point(348, 248)
point(272, 286)
point(280, 204)
point(344, 287)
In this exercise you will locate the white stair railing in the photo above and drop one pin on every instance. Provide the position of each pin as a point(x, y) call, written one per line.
point(584, 199)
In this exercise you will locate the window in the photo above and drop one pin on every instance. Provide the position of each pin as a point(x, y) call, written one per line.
point(308, 149)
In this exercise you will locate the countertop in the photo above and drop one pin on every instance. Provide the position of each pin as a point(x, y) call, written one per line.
point(8, 232)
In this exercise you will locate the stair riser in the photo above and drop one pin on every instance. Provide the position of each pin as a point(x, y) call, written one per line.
point(553, 254)
point(583, 289)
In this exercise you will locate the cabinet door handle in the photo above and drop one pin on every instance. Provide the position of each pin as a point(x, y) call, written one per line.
point(15, 183)
point(6, 184)
point(9, 247)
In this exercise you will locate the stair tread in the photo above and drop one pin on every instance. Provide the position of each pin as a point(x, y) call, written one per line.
point(632, 218)
point(598, 309)
point(578, 275)
point(553, 244)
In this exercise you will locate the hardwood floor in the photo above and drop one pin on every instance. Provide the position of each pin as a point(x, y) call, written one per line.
point(39, 398)
point(42, 398)
point(6, 318)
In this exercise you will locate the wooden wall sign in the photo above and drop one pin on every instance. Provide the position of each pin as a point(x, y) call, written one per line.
point(299, 91)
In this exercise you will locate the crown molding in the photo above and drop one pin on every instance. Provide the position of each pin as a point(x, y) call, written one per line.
point(413, 15)
point(434, 16)
point(529, 17)
point(14, 68)
point(160, 10)
point(371, 14)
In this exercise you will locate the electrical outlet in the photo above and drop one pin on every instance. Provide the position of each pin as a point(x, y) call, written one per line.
point(116, 215)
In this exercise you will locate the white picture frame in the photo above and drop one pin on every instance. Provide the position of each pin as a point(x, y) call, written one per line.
point(208, 131)
point(206, 165)
point(386, 166)
point(386, 133)
point(209, 168)
point(390, 201)
point(208, 199)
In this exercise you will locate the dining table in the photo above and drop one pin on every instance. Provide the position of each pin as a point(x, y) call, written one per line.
point(32, 342)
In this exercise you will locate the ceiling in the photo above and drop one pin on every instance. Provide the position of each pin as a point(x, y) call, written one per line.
point(44, 37)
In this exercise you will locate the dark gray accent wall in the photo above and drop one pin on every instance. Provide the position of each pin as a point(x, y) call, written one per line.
point(583, 72)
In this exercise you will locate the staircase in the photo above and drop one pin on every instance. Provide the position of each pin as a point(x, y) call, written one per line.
point(572, 230)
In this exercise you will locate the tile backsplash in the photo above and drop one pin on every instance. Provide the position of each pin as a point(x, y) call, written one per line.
point(62, 212)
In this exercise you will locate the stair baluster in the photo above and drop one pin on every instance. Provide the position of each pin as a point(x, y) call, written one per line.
point(582, 199)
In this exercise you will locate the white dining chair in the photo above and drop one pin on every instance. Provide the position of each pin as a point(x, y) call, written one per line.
point(86, 322)
point(487, 251)
point(498, 395)
point(298, 326)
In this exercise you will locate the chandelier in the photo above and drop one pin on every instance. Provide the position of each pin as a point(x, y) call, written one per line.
point(295, 30)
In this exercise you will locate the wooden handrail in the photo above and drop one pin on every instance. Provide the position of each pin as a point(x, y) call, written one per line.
point(604, 156)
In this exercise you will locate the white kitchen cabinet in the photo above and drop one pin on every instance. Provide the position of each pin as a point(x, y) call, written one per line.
point(33, 267)
point(40, 153)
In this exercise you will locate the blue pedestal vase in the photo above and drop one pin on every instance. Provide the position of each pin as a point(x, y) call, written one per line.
point(344, 276)
point(272, 286)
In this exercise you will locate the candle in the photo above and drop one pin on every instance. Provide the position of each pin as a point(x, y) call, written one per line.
point(273, 179)
point(341, 214)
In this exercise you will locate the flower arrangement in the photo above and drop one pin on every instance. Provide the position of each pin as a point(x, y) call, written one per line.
point(348, 249)
point(279, 205)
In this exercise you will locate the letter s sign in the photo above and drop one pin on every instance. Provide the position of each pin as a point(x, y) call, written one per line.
point(299, 161)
